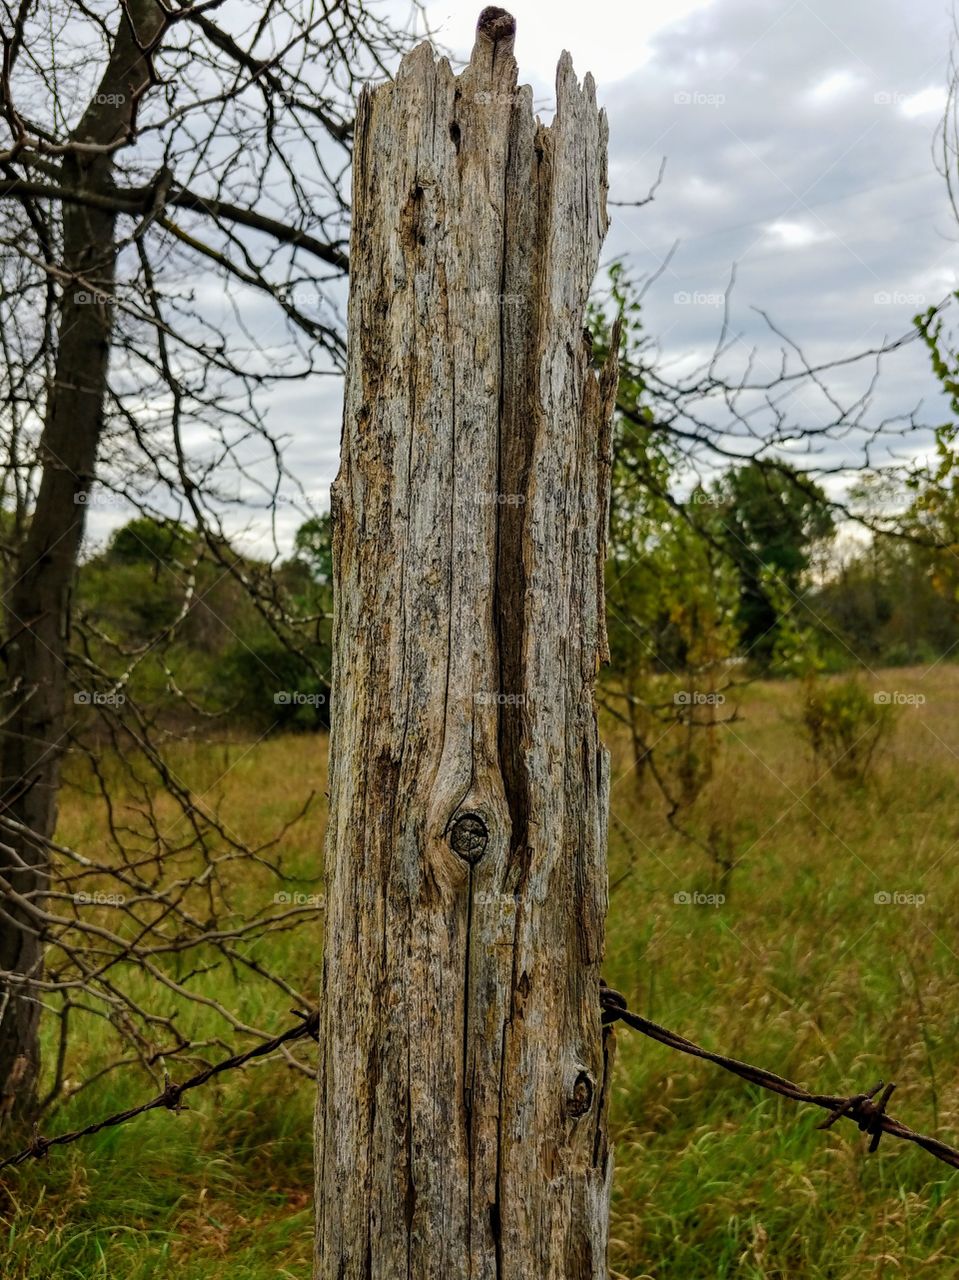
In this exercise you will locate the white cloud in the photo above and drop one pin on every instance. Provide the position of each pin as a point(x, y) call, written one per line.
point(931, 101)
point(795, 235)
point(707, 191)
point(836, 85)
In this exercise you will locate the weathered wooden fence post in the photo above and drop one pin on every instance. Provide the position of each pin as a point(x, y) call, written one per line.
point(461, 1119)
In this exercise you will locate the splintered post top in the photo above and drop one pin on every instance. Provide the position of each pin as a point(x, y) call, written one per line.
point(496, 24)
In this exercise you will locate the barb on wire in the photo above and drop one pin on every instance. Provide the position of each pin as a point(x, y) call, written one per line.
point(172, 1094)
point(868, 1114)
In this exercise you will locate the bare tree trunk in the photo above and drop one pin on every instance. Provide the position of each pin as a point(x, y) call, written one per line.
point(37, 606)
point(461, 1119)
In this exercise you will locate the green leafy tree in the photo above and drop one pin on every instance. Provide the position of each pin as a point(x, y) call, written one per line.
point(313, 546)
point(671, 593)
point(187, 640)
point(771, 521)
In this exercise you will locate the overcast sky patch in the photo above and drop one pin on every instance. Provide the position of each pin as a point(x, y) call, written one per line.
point(798, 140)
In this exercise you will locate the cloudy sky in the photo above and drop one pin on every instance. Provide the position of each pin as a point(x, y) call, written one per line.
point(799, 145)
point(798, 139)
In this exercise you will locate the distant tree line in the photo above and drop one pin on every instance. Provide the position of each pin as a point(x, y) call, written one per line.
point(206, 654)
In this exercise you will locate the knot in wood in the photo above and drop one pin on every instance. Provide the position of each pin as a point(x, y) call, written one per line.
point(581, 1098)
point(496, 24)
point(469, 837)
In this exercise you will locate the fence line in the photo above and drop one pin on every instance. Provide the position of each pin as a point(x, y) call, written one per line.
point(864, 1109)
point(308, 1025)
point(869, 1115)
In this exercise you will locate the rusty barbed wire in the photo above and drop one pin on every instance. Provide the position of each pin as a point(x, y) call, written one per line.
point(864, 1109)
point(172, 1093)
point(868, 1114)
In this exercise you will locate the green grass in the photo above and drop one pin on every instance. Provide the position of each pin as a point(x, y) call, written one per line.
point(799, 970)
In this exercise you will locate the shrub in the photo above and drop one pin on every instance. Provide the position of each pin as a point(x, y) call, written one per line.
point(266, 686)
point(845, 726)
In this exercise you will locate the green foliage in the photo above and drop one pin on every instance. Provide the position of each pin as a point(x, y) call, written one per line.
point(945, 363)
point(693, 581)
point(198, 638)
point(845, 725)
point(313, 546)
point(134, 589)
point(672, 595)
point(671, 600)
point(887, 603)
point(895, 599)
point(270, 687)
point(770, 522)
point(151, 542)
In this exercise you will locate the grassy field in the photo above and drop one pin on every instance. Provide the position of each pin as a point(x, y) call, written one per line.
point(800, 969)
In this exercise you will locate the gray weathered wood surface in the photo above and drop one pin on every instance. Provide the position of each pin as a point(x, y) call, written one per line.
point(461, 1119)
